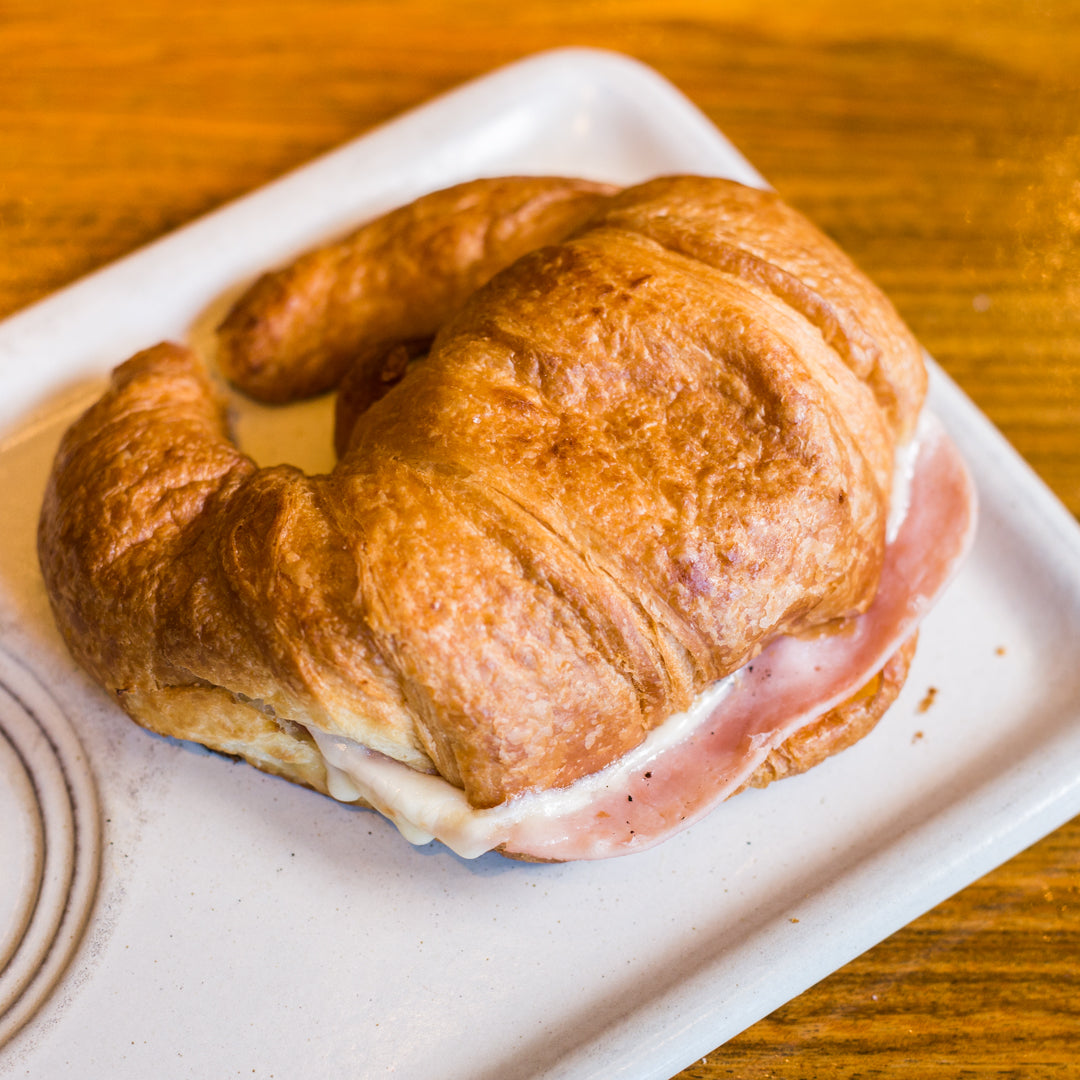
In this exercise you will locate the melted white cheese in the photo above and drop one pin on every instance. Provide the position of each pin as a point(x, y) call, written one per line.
point(425, 807)
point(904, 462)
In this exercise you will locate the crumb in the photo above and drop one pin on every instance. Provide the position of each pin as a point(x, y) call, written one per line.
point(928, 700)
point(793, 920)
point(916, 737)
point(1000, 650)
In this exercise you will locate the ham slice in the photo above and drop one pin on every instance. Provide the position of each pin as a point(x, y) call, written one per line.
point(683, 771)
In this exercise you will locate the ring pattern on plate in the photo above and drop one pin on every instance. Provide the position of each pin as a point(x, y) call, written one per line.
point(50, 845)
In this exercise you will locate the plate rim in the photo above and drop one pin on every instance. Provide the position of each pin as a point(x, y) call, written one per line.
point(618, 1050)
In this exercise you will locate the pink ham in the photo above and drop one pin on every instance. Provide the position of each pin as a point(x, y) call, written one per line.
point(790, 684)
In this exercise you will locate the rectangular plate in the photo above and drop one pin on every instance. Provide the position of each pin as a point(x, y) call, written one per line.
point(245, 926)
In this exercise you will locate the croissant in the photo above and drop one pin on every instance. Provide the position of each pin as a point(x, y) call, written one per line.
point(601, 449)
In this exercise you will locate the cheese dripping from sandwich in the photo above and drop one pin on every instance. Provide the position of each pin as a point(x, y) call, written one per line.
point(700, 757)
point(652, 453)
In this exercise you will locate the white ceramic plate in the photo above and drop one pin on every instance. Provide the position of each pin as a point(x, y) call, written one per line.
point(246, 927)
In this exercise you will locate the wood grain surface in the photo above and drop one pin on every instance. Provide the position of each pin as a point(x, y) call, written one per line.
point(938, 143)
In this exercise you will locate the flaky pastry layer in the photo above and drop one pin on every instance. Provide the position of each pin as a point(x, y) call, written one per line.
point(635, 455)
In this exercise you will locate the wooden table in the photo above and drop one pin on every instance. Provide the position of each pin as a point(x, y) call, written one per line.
point(939, 143)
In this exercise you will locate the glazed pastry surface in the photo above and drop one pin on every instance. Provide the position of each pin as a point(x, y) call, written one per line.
point(297, 330)
point(629, 460)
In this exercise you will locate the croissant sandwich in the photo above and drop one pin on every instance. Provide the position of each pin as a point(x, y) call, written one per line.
point(636, 505)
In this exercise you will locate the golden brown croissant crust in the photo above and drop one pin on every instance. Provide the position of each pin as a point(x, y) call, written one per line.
point(629, 460)
point(297, 330)
point(840, 727)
